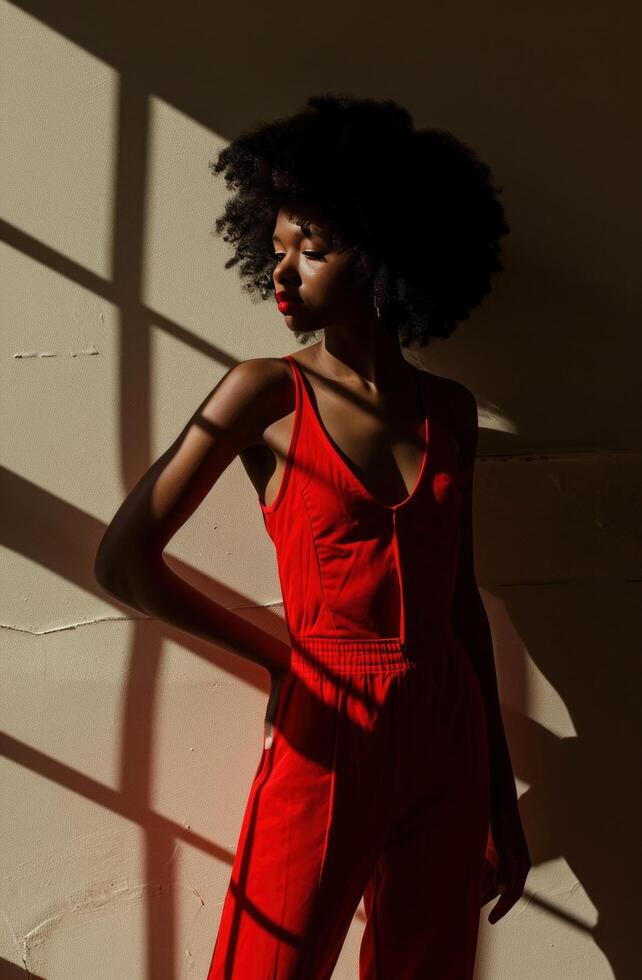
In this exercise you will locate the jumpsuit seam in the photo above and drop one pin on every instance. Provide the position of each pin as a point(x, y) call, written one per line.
point(270, 509)
point(316, 555)
point(402, 601)
point(333, 779)
point(279, 947)
point(303, 405)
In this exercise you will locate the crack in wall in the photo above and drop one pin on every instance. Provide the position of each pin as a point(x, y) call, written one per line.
point(114, 619)
point(72, 626)
point(87, 352)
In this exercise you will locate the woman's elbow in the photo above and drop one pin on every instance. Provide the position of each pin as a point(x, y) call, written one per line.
point(124, 568)
point(109, 567)
point(115, 563)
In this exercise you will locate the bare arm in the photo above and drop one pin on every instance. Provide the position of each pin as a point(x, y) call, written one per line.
point(471, 624)
point(469, 614)
point(129, 562)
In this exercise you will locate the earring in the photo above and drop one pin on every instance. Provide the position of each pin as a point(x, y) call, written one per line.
point(376, 308)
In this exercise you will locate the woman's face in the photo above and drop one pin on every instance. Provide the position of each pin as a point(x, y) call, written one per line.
point(318, 279)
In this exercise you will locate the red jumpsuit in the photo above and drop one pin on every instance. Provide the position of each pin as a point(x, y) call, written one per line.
point(375, 783)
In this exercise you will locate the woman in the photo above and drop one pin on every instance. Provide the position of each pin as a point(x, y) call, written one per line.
point(385, 771)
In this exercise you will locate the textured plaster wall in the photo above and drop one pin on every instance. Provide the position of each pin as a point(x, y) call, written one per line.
point(127, 747)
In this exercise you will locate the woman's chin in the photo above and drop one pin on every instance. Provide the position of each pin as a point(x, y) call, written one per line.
point(296, 323)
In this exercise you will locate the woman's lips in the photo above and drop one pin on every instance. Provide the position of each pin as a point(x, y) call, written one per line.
point(287, 306)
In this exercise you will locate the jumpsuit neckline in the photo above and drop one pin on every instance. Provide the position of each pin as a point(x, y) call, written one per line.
point(325, 436)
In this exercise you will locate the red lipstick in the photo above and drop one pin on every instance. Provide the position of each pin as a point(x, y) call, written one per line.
point(286, 302)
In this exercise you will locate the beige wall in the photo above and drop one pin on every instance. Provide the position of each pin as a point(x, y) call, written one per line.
point(128, 748)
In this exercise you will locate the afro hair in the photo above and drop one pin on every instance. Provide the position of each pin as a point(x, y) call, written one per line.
point(417, 206)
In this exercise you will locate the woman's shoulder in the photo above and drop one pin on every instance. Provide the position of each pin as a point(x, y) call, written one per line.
point(261, 387)
point(455, 405)
point(261, 374)
point(449, 393)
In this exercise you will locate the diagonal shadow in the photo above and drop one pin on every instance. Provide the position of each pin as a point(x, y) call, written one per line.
point(86, 279)
point(113, 800)
point(11, 971)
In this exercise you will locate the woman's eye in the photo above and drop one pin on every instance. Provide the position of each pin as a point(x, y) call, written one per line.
point(311, 255)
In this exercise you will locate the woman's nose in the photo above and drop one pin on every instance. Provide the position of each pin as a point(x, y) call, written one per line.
point(286, 272)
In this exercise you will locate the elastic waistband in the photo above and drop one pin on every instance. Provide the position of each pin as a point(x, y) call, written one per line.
point(326, 655)
point(313, 656)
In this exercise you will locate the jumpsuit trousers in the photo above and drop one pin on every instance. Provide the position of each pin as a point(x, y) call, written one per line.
point(373, 778)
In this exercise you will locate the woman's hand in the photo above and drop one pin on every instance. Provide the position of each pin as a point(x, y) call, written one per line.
point(513, 856)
